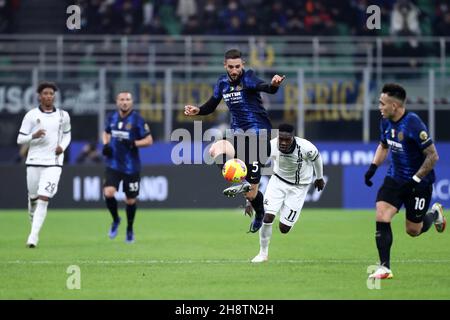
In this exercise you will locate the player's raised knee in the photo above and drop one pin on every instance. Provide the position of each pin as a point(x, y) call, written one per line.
point(221, 147)
point(109, 192)
point(413, 232)
point(284, 228)
point(268, 218)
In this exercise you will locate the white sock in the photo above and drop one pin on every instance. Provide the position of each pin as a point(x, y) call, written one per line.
point(264, 238)
point(38, 220)
point(32, 203)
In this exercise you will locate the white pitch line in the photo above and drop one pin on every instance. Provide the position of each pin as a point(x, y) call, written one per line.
point(156, 262)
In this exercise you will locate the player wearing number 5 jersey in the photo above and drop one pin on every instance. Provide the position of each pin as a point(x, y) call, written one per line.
point(296, 161)
point(125, 132)
point(410, 177)
point(46, 130)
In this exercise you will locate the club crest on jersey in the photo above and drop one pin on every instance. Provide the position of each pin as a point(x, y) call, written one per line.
point(423, 135)
point(120, 125)
point(400, 136)
point(128, 126)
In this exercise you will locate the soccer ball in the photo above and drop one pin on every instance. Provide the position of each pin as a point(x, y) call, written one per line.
point(234, 170)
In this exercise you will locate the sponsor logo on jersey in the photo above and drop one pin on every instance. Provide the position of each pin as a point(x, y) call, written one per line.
point(396, 146)
point(392, 133)
point(120, 125)
point(120, 134)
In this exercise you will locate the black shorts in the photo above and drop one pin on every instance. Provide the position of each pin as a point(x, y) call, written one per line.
point(416, 203)
point(131, 182)
point(254, 150)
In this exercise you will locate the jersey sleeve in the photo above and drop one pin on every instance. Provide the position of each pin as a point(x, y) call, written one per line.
point(143, 128)
point(217, 91)
point(311, 150)
point(382, 134)
point(419, 133)
point(252, 81)
point(66, 123)
point(27, 125)
point(108, 124)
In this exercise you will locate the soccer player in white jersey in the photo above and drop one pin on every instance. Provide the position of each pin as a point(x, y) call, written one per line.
point(47, 131)
point(296, 161)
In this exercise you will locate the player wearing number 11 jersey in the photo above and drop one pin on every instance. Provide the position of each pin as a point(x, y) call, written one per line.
point(296, 161)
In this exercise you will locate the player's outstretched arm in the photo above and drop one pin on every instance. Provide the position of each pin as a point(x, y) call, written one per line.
point(317, 163)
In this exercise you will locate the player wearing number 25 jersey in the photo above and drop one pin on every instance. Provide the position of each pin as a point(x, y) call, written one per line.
point(46, 130)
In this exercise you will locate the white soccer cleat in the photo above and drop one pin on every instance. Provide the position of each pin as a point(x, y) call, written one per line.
point(382, 273)
point(440, 222)
point(236, 189)
point(260, 258)
point(32, 242)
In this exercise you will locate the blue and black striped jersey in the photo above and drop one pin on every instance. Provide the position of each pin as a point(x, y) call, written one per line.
point(407, 138)
point(243, 99)
point(124, 131)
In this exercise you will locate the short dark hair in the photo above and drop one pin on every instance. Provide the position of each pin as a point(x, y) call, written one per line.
point(45, 85)
point(284, 127)
point(233, 54)
point(394, 90)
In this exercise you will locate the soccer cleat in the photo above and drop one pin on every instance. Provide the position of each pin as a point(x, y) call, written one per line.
point(236, 189)
point(256, 223)
point(130, 237)
point(31, 245)
point(382, 273)
point(440, 222)
point(114, 229)
point(260, 258)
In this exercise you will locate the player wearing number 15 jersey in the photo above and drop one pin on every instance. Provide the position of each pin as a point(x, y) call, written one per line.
point(410, 177)
point(296, 161)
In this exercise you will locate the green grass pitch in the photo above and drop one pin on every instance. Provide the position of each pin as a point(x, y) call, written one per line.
point(205, 254)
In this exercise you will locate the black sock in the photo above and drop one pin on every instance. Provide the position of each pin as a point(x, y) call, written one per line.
point(111, 204)
point(383, 237)
point(258, 205)
point(220, 160)
point(131, 212)
point(428, 220)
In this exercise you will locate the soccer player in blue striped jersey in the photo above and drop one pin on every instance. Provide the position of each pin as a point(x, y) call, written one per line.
point(240, 89)
point(409, 180)
point(125, 132)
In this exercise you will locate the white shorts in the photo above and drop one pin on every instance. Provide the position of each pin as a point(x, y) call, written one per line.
point(286, 199)
point(43, 181)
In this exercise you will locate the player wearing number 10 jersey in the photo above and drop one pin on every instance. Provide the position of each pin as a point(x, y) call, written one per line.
point(410, 177)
